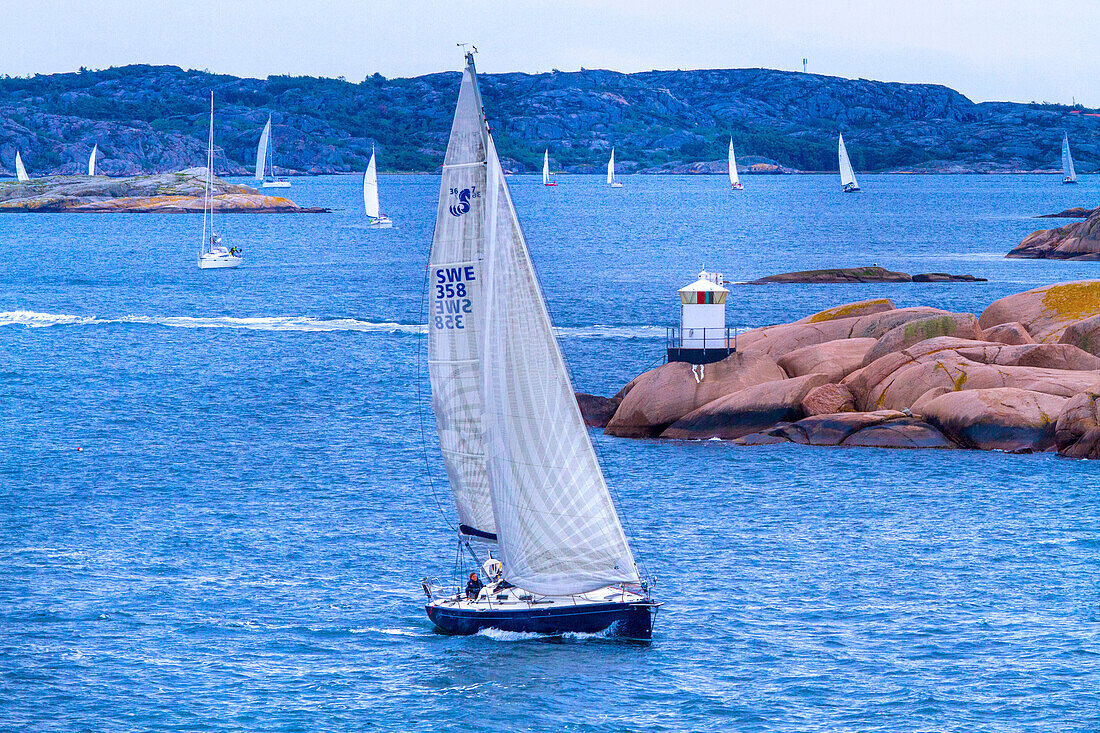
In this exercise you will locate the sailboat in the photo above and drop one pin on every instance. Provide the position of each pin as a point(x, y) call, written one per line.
point(847, 175)
point(378, 220)
point(546, 180)
point(213, 253)
point(264, 162)
point(533, 506)
point(735, 182)
point(1069, 175)
point(91, 160)
point(611, 180)
point(20, 171)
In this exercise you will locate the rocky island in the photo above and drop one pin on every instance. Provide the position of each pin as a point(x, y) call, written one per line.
point(873, 274)
point(166, 193)
point(1023, 376)
point(1077, 241)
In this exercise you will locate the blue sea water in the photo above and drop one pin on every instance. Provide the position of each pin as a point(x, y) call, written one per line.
point(216, 504)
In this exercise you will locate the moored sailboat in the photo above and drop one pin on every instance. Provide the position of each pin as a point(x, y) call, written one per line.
point(1069, 175)
point(735, 182)
point(532, 503)
point(213, 254)
point(264, 161)
point(546, 180)
point(20, 171)
point(378, 220)
point(611, 180)
point(847, 175)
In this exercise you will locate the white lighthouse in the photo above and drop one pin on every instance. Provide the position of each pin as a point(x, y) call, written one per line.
point(703, 337)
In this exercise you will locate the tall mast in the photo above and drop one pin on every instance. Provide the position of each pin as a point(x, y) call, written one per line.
point(207, 204)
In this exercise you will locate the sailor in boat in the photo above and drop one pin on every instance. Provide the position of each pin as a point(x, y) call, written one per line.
point(473, 588)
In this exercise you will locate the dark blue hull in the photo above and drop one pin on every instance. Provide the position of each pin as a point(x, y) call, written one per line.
point(627, 620)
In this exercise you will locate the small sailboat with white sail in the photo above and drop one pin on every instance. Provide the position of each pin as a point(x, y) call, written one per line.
point(611, 179)
point(91, 160)
point(213, 254)
point(378, 220)
point(847, 175)
point(546, 179)
point(264, 162)
point(20, 170)
point(735, 182)
point(1069, 175)
point(534, 509)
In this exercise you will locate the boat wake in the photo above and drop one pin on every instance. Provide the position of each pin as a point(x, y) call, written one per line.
point(34, 319)
point(509, 636)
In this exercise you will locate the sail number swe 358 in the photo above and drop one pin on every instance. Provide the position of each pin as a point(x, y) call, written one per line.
point(453, 297)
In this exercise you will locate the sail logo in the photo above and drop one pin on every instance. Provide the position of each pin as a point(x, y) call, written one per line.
point(464, 196)
point(452, 303)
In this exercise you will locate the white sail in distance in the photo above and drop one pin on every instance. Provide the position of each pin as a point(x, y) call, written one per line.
point(91, 160)
point(1068, 173)
point(847, 175)
point(557, 529)
point(732, 162)
point(546, 167)
point(611, 168)
point(20, 171)
point(261, 151)
point(370, 188)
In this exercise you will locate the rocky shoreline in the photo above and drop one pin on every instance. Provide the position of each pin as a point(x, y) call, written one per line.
point(1022, 377)
point(166, 193)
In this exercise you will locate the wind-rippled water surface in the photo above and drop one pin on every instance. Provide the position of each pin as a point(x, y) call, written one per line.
point(216, 504)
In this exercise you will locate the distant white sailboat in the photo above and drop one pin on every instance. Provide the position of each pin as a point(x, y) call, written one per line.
point(735, 182)
point(611, 180)
point(1069, 175)
point(264, 161)
point(91, 160)
point(20, 171)
point(546, 180)
point(847, 175)
point(213, 254)
point(378, 220)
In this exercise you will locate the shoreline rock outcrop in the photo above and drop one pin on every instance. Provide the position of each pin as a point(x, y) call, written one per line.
point(1077, 241)
point(869, 374)
point(165, 193)
point(873, 274)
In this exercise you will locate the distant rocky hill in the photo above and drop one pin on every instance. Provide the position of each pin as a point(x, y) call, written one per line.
point(149, 119)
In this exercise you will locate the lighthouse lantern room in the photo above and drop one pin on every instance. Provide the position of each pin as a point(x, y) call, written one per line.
point(703, 336)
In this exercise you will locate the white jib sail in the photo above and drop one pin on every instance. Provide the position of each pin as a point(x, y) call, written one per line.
point(91, 160)
point(20, 171)
point(546, 167)
point(370, 188)
point(1068, 173)
point(611, 168)
point(557, 528)
point(847, 175)
point(732, 162)
point(456, 314)
point(261, 151)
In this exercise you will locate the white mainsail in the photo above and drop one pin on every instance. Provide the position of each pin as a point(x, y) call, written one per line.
point(370, 188)
point(611, 168)
point(546, 167)
point(91, 160)
point(261, 151)
point(732, 165)
point(1068, 173)
point(847, 175)
point(557, 529)
point(20, 171)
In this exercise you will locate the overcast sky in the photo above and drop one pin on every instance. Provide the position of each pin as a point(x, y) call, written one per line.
point(1018, 50)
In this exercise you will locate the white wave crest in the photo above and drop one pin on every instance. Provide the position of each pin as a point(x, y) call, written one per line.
point(33, 319)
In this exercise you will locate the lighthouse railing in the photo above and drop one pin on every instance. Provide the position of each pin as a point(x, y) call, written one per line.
point(700, 345)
